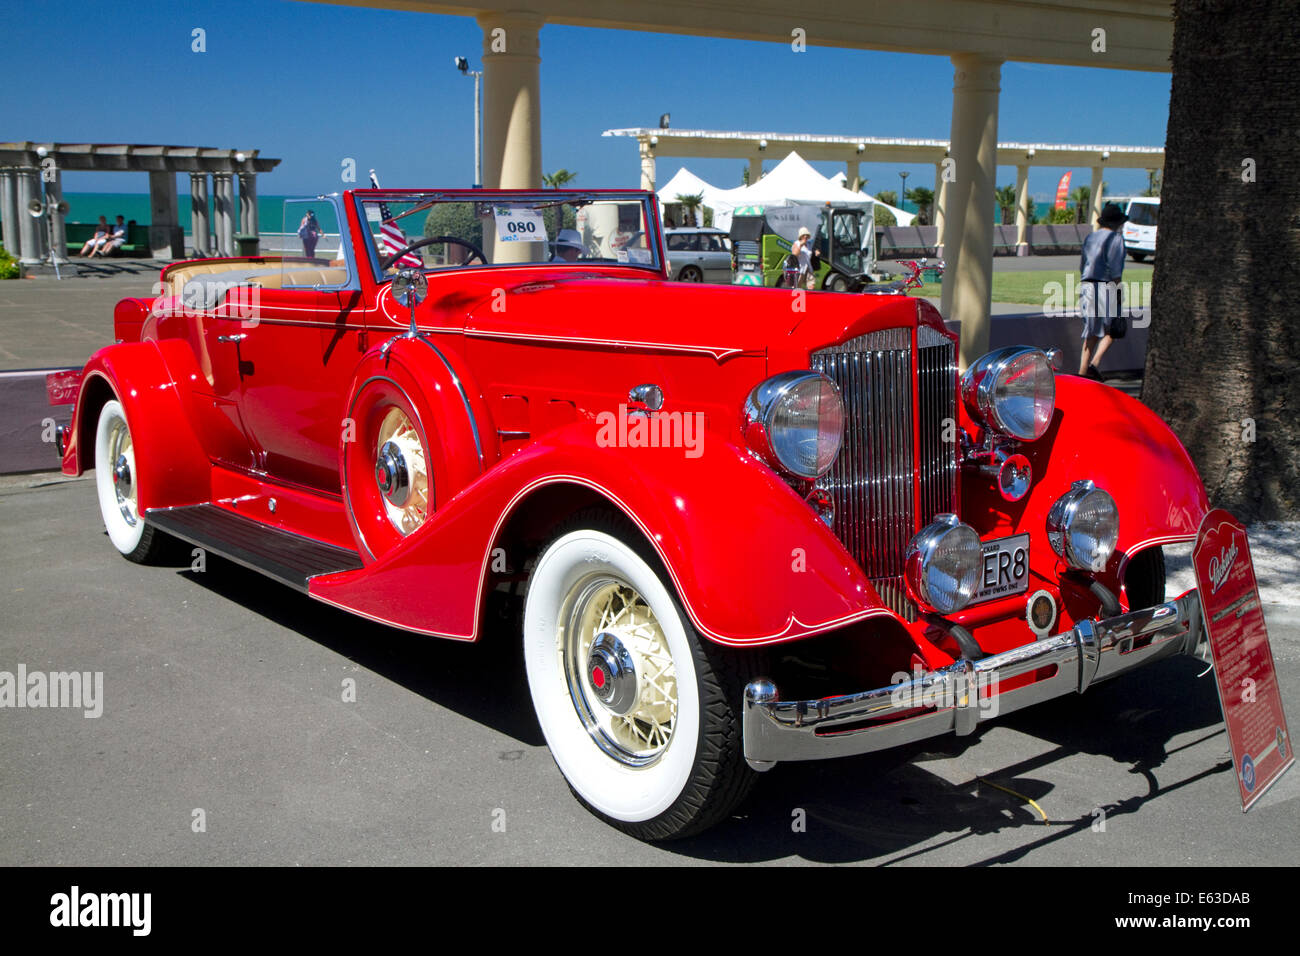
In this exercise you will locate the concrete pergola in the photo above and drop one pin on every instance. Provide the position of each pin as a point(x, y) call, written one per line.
point(24, 166)
point(977, 35)
point(854, 150)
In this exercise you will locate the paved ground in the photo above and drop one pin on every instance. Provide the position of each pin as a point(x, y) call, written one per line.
point(223, 693)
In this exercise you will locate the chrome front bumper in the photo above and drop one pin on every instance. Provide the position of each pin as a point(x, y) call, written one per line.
point(954, 699)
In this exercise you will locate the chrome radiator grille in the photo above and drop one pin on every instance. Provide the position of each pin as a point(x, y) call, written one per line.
point(879, 504)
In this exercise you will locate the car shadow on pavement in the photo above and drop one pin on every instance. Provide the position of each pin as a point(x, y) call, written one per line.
point(472, 679)
point(885, 808)
point(889, 808)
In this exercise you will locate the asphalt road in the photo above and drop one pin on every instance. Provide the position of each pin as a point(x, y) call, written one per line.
point(224, 693)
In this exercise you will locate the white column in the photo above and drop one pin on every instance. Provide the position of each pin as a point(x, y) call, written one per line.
point(972, 198)
point(850, 172)
point(512, 113)
point(647, 166)
point(9, 210)
point(940, 204)
point(248, 224)
point(199, 214)
point(755, 169)
point(166, 241)
point(1022, 210)
point(1094, 200)
point(223, 213)
point(29, 236)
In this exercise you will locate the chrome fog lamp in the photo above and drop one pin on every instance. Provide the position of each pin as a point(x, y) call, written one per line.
point(943, 564)
point(1011, 472)
point(1012, 391)
point(1083, 527)
point(795, 422)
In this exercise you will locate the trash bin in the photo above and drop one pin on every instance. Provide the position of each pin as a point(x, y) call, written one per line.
point(932, 274)
point(247, 245)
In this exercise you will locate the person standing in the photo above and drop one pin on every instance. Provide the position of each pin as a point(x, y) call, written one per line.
point(309, 231)
point(1101, 267)
point(803, 251)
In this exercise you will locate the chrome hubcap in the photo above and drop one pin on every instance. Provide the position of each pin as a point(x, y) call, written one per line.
point(391, 474)
point(620, 672)
point(121, 453)
point(611, 674)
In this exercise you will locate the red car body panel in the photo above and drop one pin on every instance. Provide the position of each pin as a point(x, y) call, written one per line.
point(510, 382)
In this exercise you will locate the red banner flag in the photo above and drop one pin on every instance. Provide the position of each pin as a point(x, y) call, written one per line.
point(1063, 190)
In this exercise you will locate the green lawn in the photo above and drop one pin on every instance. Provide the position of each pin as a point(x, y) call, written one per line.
point(1034, 287)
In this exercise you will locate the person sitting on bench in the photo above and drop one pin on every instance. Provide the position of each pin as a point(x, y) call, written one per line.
point(98, 239)
point(115, 241)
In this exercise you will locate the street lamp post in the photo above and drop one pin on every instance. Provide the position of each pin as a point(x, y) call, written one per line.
point(902, 194)
point(462, 64)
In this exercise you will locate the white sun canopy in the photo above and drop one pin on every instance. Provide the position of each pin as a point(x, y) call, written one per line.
point(791, 182)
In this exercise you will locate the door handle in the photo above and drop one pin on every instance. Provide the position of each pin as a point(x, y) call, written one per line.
point(232, 338)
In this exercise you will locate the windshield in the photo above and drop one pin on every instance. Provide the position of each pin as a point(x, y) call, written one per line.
point(1143, 213)
point(457, 230)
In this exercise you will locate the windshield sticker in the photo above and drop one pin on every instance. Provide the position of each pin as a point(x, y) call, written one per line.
point(621, 255)
point(519, 224)
point(639, 256)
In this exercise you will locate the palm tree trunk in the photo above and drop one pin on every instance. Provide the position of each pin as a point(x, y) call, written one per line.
point(1223, 360)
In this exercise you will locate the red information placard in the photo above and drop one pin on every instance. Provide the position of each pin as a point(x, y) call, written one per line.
point(1243, 660)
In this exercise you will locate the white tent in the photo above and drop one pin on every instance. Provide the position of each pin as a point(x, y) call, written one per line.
point(793, 180)
point(902, 218)
point(686, 183)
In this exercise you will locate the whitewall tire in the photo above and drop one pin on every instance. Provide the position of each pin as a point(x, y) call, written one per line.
point(115, 484)
point(642, 718)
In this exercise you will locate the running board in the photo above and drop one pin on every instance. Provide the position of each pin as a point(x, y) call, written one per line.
point(289, 558)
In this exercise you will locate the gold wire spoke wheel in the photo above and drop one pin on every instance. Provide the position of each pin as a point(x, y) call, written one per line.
point(620, 671)
point(402, 472)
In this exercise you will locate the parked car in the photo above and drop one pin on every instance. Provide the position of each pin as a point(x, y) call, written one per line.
point(698, 254)
point(735, 532)
point(1140, 231)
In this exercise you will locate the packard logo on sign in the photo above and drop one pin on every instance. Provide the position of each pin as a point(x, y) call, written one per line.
point(1220, 566)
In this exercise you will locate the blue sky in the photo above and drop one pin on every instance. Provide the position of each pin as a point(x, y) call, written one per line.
point(316, 83)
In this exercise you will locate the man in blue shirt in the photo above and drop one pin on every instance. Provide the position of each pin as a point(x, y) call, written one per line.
point(1101, 267)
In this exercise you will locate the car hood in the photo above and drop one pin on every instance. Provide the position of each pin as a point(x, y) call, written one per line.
point(724, 321)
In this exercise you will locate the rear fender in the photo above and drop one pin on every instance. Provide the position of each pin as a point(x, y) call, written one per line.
point(751, 561)
point(175, 469)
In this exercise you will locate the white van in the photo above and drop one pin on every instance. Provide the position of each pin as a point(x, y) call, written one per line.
point(1140, 230)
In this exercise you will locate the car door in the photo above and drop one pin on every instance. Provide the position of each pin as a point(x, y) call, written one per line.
point(300, 339)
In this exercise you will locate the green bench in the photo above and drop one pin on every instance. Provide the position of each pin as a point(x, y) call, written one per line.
point(137, 238)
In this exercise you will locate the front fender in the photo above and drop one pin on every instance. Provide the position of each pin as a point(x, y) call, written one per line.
point(750, 560)
point(1101, 434)
point(171, 465)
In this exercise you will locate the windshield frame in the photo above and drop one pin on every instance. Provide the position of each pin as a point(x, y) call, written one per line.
point(543, 198)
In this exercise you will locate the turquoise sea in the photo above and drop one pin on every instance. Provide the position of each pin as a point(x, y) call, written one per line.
point(88, 207)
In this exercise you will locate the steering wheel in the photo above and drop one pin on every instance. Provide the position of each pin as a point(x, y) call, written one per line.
point(475, 251)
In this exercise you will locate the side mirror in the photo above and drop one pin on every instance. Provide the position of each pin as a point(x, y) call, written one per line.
point(410, 288)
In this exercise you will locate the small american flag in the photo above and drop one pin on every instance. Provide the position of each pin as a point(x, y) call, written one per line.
point(391, 235)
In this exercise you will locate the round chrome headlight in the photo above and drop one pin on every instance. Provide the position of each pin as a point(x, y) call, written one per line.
point(943, 564)
point(1012, 391)
point(795, 422)
point(1083, 527)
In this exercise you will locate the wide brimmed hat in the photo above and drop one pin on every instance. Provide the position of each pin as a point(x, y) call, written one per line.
point(805, 231)
point(570, 238)
point(1111, 214)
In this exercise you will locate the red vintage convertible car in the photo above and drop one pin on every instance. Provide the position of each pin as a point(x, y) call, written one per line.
point(742, 526)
